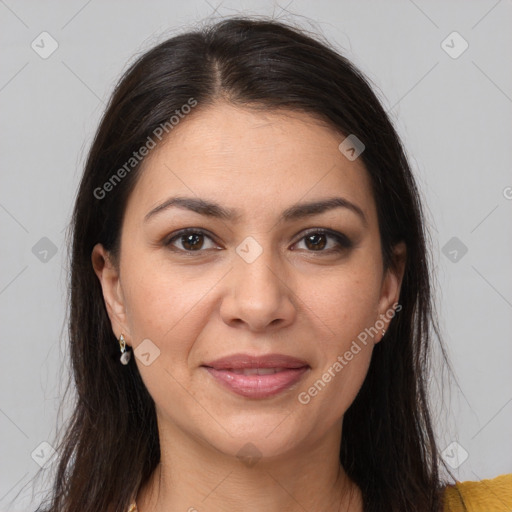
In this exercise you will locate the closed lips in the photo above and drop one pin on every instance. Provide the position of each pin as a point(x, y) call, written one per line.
point(256, 371)
point(276, 362)
point(257, 377)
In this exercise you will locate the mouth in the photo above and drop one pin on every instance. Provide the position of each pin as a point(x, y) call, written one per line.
point(257, 377)
point(255, 371)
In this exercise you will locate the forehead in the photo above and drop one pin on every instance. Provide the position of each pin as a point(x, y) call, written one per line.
point(254, 162)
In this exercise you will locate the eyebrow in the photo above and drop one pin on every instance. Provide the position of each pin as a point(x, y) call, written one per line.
point(295, 212)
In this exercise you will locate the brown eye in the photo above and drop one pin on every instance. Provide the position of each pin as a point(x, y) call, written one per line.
point(191, 240)
point(194, 240)
point(317, 240)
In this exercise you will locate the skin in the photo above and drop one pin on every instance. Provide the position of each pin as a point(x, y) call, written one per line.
point(294, 299)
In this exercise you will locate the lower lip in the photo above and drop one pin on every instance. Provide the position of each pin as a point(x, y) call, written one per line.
point(258, 386)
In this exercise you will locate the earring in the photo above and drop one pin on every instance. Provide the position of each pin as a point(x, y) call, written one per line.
point(383, 332)
point(125, 355)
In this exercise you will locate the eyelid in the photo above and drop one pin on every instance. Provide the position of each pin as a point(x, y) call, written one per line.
point(186, 231)
point(343, 241)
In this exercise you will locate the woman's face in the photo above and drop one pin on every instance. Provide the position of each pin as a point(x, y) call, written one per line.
point(256, 276)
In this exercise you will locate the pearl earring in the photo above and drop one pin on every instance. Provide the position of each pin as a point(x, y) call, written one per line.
point(125, 355)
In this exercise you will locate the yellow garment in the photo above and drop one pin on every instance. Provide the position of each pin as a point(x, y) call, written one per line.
point(494, 495)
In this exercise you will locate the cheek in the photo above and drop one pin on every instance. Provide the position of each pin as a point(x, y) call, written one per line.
point(343, 360)
point(346, 375)
point(164, 316)
point(344, 303)
point(162, 299)
point(343, 306)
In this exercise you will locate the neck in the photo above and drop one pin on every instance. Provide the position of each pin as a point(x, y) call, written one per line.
point(195, 477)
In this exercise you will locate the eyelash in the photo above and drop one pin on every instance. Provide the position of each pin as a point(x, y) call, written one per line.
point(342, 240)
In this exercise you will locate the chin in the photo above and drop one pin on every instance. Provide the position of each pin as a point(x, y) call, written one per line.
point(251, 438)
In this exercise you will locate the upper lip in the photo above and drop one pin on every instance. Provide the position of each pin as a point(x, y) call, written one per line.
point(240, 361)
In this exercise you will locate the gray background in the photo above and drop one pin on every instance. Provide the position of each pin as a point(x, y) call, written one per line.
point(454, 115)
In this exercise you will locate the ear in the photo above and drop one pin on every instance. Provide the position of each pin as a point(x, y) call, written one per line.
point(108, 274)
point(391, 285)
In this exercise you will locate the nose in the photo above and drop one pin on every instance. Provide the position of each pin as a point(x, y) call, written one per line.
point(259, 294)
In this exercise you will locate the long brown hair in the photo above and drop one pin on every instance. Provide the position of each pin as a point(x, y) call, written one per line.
point(111, 445)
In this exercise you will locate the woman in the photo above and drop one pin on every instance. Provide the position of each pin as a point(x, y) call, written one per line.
point(250, 291)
